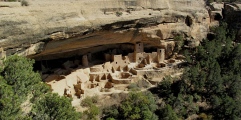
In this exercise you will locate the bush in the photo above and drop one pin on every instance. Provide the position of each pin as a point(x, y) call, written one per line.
point(118, 13)
point(92, 112)
point(115, 95)
point(179, 43)
point(88, 101)
point(118, 97)
point(133, 87)
point(24, 3)
point(136, 106)
point(168, 113)
point(143, 84)
point(54, 107)
point(9, 103)
point(137, 86)
point(111, 111)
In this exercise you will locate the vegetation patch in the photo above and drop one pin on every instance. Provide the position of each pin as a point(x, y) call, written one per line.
point(137, 105)
point(118, 13)
point(93, 110)
point(24, 3)
point(17, 82)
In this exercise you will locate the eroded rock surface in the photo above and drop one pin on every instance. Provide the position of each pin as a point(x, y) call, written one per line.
point(50, 29)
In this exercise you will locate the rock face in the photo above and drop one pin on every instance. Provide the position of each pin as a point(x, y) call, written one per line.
point(232, 14)
point(216, 13)
point(48, 29)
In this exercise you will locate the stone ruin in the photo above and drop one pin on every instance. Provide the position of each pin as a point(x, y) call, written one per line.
point(116, 71)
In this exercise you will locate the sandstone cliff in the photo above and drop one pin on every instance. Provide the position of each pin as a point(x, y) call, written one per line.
point(48, 29)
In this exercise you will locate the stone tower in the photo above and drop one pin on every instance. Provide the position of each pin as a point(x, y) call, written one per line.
point(85, 61)
point(160, 55)
point(138, 51)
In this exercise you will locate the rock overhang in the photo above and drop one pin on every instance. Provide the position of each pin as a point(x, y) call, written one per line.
point(47, 28)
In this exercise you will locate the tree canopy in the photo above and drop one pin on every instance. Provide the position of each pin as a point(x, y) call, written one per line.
point(18, 82)
point(137, 106)
point(54, 107)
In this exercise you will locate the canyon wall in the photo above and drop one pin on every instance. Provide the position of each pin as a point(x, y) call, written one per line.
point(50, 29)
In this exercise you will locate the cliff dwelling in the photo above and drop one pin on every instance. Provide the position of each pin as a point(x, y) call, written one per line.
point(88, 50)
point(108, 70)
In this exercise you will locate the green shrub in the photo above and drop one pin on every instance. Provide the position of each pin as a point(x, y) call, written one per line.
point(137, 86)
point(54, 107)
point(119, 96)
point(179, 43)
point(115, 95)
point(9, 103)
point(133, 87)
point(92, 112)
point(136, 106)
point(24, 3)
point(143, 84)
point(118, 13)
point(168, 113)
point(88, 101)
point(111, 111)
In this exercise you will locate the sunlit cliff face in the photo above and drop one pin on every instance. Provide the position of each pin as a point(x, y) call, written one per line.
point(68, 28)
